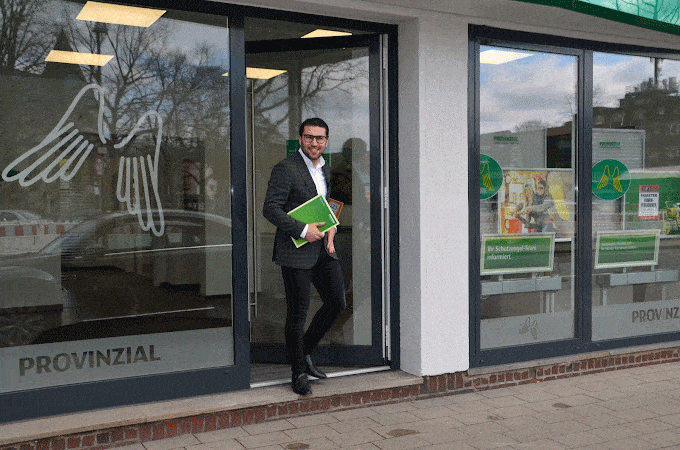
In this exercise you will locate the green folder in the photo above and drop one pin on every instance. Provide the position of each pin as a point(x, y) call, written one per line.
point(312, 211)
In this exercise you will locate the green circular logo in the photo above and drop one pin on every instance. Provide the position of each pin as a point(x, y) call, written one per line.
point(611, 179)
point(491, 176)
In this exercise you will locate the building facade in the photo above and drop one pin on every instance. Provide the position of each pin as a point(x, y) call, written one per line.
point(509, 175)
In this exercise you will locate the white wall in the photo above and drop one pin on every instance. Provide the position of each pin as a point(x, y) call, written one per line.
point(433, 149)
point(436, 154)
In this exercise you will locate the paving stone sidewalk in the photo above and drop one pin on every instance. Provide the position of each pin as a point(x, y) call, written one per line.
point(635, 408)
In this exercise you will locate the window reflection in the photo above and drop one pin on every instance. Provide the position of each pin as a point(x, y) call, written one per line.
point(528, 105)
point(114, 199)
point(636, 110)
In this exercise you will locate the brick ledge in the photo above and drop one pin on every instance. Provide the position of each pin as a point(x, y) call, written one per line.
point(281, 407)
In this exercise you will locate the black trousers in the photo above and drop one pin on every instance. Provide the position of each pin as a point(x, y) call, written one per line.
point(326, 276)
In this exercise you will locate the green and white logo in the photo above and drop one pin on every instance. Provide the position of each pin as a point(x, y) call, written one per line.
point(491, 176)
point(611, 179)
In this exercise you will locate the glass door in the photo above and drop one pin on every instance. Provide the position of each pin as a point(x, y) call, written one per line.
point(288, 81)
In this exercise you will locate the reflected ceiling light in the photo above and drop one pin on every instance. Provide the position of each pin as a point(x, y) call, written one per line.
point(325, 33)
point(501, 56)
point(90, 59)
point(260, 74)
point(119, 14)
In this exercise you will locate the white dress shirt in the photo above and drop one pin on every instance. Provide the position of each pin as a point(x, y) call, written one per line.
point(319, 180)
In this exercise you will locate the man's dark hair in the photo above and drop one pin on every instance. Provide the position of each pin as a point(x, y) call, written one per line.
point(313, 122)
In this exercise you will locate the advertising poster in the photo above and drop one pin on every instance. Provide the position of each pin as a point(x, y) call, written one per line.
point(537, 201)
point(653, 202)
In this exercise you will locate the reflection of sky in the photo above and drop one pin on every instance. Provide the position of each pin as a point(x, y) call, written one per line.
point(540, 87)
point(614, 75)
point(183, 36)
point(186, 36)
point(344, 109)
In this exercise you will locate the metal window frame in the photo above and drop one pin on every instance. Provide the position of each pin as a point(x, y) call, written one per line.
point(583, 49)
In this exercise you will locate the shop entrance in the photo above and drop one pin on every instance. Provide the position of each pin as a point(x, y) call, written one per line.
point(334, 78)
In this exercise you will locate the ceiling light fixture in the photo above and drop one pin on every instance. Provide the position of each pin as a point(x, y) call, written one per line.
point(119, 14)
point(325, 33)
point(501, 56)
point(90, 59)
point(259, 73)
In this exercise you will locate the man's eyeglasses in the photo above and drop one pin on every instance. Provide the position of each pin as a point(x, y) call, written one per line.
point(308, 138)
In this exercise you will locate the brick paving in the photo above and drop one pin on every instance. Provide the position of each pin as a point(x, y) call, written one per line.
point(637, 408)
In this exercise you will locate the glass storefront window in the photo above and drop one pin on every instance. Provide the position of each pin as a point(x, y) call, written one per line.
point(636, 196)
point(528, 102)
point(115, 229)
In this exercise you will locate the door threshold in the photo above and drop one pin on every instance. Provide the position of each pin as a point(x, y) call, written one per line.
point(340, 373)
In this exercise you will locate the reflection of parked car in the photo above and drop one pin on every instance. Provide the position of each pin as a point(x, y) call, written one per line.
point(18, 215)
point(109, 277)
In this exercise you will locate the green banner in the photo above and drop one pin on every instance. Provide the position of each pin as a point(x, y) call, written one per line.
point(618, 249)
point(503, 254)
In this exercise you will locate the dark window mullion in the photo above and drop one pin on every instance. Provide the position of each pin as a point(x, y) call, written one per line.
point(584, 228)
point(473, 196)
point(239, 194)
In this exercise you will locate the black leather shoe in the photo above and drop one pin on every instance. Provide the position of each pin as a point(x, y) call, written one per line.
point(311, 369)
point(300, 384)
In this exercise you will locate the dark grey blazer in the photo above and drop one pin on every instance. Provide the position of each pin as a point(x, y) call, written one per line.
point(290, 186)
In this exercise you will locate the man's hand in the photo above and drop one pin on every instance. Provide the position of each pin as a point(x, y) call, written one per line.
point(313, 233)
point(331, 236)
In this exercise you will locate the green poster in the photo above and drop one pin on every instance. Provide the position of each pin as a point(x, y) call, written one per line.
point(611, 179)
point(491, 177)
point(503, 254)
point(667, 185)
point(625, 249)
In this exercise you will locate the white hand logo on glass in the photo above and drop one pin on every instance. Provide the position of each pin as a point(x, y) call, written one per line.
point(130, 169)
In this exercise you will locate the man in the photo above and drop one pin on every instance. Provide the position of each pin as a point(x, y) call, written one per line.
point(293, 181)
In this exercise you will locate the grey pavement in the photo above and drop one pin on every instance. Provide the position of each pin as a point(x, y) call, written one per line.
point(635, 408)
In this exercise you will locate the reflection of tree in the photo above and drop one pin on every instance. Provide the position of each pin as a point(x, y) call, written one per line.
point(532, 125)
point(146, 73)
point(652, 106)
point(23, 35)
point(663, 10)
point(272, 97)
point(127, 77)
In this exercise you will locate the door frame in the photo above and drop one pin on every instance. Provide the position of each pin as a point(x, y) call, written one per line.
point(375, 354)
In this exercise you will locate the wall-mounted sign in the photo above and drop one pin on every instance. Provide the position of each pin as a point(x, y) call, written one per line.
point(491, 177)
point(626, 249)
point(506, 139)
point(611, 179)
point(504, 254)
